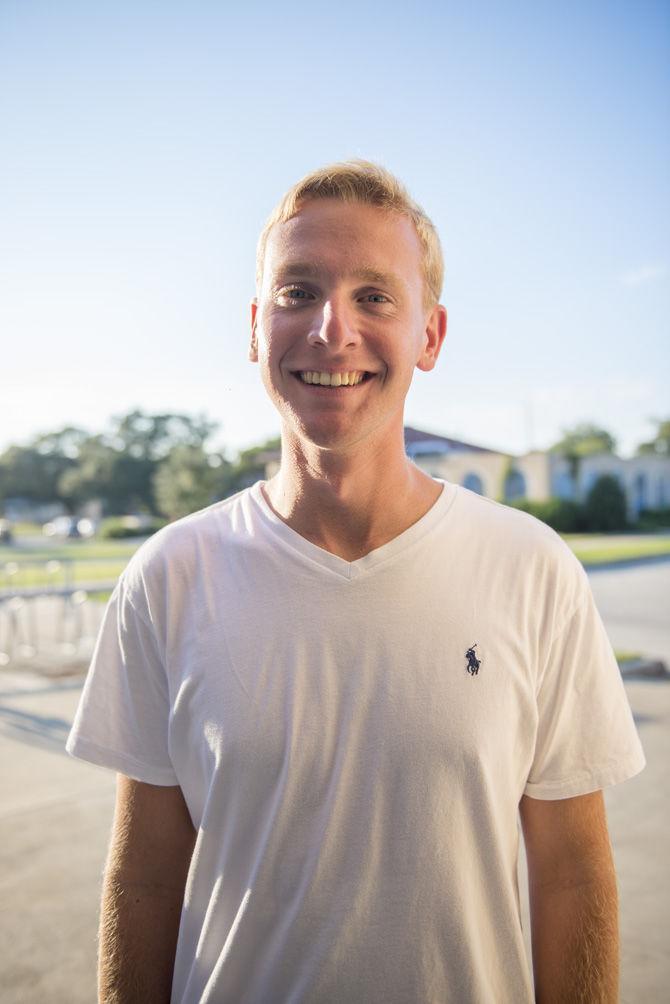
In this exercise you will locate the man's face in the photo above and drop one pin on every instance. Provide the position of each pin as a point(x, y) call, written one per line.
point(340, 323)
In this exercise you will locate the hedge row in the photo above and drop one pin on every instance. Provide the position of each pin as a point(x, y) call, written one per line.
point(123, 527)
point(603, 511)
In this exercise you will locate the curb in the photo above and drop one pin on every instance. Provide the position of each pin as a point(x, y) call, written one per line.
point(644, 669)
point(606, 566)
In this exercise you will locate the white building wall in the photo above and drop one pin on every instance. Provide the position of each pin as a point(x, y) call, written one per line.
point(645, 480)
point(641, 478)
point(454, 467)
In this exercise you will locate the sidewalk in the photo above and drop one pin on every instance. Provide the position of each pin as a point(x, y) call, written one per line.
point(56, 813)
point(54, 823)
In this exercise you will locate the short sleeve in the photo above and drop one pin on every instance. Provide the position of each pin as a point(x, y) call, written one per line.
point(124, 711)
point(586, 737)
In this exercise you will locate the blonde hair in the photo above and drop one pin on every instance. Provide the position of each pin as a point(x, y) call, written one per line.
point(370, 184)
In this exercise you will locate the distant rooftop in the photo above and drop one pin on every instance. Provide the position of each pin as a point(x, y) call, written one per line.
point(418, 442)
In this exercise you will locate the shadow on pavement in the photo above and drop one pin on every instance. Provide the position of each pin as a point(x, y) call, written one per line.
point(44, 731)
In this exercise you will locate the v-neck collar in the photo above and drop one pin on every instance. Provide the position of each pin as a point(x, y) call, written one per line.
point(333, 562)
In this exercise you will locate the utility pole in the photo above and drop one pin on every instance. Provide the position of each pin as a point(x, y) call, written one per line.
point(530, 424)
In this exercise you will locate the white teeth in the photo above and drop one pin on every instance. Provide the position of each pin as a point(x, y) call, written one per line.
point(331, 379)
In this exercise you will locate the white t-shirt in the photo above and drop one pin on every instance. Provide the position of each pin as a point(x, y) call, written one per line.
point(352, 740)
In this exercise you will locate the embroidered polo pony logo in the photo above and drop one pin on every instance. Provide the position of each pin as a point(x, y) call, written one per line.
point(473, 662)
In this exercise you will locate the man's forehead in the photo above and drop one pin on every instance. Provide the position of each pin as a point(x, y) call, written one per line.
point(335, 216)
point(363, 240)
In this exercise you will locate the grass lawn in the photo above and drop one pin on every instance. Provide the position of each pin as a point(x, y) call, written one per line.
point(64, 561)
point(626, 656)
point(592, 550)
point(26, 529)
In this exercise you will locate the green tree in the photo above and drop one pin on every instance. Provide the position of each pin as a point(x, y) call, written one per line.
point(94, 475)
point(119, 465)
point(189, 479)
point(582, 441)
point(152, 437)
point(34, 471)
point(605, 505)
point(250, 464)
point(660, 444)
point(26, 472)
point(65, 442)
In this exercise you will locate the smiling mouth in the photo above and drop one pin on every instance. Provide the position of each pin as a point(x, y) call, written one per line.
point(320, 378)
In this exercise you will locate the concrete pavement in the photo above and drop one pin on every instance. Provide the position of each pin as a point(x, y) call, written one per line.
point(634, 603)
point(54, 823)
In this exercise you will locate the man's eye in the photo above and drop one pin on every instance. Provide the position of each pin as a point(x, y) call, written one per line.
point(293, 293)
point(376, 298)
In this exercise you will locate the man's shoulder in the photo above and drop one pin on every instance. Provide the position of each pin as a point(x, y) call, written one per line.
point(189, 544)
point(519, 560)
point(508, 534)
point(498, 517)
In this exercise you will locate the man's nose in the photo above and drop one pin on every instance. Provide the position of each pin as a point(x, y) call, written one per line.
point(335, 328)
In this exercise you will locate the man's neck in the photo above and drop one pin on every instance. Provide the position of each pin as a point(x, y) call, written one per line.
point(350, 502)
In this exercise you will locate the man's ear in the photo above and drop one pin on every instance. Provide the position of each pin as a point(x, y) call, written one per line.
point(434, 335)
point(253, 344)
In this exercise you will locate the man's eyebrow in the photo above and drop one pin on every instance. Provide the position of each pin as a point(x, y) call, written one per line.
point(311, 269)
point(374, 276)
point(297, 269)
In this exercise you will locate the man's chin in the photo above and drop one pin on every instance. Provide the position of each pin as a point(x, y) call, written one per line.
point(325, 435)
point(328, 434)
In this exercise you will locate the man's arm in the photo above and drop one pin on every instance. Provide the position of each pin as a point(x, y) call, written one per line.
point(573, 900)
point(149, 856)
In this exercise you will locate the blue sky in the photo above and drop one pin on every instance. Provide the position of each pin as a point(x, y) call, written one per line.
point(143, 144)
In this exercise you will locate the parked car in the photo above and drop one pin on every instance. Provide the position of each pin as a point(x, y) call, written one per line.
point(71, 527)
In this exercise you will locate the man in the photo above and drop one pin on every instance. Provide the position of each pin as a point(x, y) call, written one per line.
point(329, 696)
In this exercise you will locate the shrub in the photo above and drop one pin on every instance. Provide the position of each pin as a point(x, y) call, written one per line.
point(653, 519)
point(122, 527)
point(605, 506)
point(561, 515)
